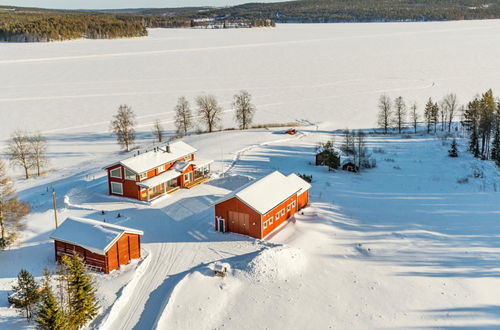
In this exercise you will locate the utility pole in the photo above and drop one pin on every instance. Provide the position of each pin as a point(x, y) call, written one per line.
point(55, 207)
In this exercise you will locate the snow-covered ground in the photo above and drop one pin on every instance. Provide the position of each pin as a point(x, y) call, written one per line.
point(401, 246)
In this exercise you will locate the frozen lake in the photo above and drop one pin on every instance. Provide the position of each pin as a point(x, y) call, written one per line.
point(324, 72)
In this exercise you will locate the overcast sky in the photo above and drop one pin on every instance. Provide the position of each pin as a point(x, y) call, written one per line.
point(112, 4)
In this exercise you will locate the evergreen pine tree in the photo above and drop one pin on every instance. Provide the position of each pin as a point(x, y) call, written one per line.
point(49, 315)
point(453, 152)
point(26, 291)
point(428, 114)
point(495, 145)
point(82, 302)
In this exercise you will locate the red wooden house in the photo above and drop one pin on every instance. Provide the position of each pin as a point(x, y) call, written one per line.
point(162, 170)
point(104, 247)
point(260, 207)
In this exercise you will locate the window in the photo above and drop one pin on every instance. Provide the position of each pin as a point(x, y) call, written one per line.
point(116, 188)
point(283, 212)
point(293, 204)
point(161, 169)
point(129, 175)
point(144, 176)
point(288, 208)
point(265, 224)
point(271, 221)
point(277, 216)
point(116, 173)
point(187, 176)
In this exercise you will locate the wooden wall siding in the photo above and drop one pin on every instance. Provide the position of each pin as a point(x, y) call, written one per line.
point(242, 219)
point(90, 258)
point(282, 218)
point(233, 224)
point(303, 199)
point(130, 189)
point(127, 248)
point(112, 257)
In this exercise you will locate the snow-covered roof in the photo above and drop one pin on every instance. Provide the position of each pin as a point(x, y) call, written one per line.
point(157, 157)
point(159, 179)
point(201, 162)
point(95, 236)
point(299, 182)
point(264, 194)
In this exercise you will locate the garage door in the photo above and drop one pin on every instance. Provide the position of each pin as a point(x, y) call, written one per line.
point(239, 222)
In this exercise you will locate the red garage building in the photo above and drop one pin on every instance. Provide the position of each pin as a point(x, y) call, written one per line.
point(104, 247)
point(260, 207)
point(160, 171)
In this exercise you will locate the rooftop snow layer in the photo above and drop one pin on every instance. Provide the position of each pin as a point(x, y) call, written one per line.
point(264, 194)
point(151, 159)
point(159, 179)
point(93, 235)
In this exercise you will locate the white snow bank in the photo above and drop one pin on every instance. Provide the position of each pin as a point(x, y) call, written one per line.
point(199, 301)
point(277, 264)
point(127, 293)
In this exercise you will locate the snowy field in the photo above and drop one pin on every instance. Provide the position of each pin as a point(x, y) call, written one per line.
point(400, 246)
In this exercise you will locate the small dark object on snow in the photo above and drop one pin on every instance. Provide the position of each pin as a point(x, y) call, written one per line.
point(453, 149)
point(306, 177)
point(291, 131)
point(119, 215)
point(350, 167)
point(102, 212)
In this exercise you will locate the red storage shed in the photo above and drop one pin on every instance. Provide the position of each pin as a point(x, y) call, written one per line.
point(260, 207)
point(104, 247)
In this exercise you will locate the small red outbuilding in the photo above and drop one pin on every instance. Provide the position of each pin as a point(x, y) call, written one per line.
point(260, 207)
point(104, 247)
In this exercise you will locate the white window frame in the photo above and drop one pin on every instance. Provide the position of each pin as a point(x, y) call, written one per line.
point(293, 204)
point(271, 221)
point(118, 184)
point(187, 177)
point(114, 176)
point(161, 169)
point(143, 176)
point(277, 216)
point(265, 224)
point(288, 208)
point(129, 175)
point(283, 212)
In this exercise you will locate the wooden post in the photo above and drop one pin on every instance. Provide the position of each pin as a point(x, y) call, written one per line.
point(55, 207)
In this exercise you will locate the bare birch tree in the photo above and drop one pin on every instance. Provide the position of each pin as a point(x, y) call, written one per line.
point(11, 209)
point(19, 151)
point(183, 116)
point(399, 113)
point(451, 104)
point(385, 112)
point(244, 109)
point(123, 125)
point(38, 144)
point(209, 111)
point(414, 116)
point(158, 131)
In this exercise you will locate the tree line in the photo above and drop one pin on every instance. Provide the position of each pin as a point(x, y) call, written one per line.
point(328, 11)
point(68, 304)
point(482, 122)
point(480, 118)
point(396, 114)
point(39, 25)
point(208, 114)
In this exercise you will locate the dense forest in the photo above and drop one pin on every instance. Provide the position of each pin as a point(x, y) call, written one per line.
point(30, 24)
point(318, 11)
point(42, 25)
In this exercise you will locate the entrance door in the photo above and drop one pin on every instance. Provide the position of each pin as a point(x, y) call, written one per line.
point(221, 225)
point(239, 222)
